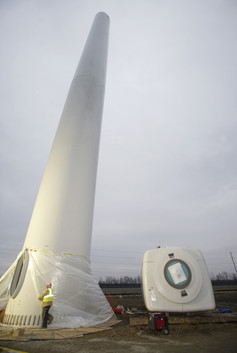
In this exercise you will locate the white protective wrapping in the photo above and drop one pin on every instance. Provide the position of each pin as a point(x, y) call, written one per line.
point(78, 299)
point(86, 304)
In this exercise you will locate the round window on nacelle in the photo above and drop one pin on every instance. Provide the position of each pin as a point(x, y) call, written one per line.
point(177, 273)
point(19, 274)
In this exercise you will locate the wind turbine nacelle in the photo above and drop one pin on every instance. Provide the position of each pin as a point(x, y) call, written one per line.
point(176, 280)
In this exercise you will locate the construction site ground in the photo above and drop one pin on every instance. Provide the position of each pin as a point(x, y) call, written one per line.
point(197, 332)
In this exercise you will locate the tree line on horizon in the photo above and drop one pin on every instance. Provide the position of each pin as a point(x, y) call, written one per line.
point(224, 276)
point(221, 276)
point(121, 280)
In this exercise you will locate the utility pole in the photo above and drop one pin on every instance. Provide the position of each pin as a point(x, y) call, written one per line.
point(233, 261)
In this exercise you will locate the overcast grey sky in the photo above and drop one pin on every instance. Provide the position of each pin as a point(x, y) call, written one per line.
point(167, 170)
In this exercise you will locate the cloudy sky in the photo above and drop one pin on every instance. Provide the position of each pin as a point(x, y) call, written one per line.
point(167, 170)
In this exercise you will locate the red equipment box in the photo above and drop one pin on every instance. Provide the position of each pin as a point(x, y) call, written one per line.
point(158, 322)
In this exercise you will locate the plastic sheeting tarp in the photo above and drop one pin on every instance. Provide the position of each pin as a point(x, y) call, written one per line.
point(78, 299)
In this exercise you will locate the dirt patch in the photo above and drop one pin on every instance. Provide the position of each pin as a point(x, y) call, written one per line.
point(122, 338)
point(205, 338)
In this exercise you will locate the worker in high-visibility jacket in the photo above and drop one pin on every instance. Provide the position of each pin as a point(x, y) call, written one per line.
point(47, 301)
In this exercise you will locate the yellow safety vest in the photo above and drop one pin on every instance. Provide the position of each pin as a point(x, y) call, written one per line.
point(48, 297)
